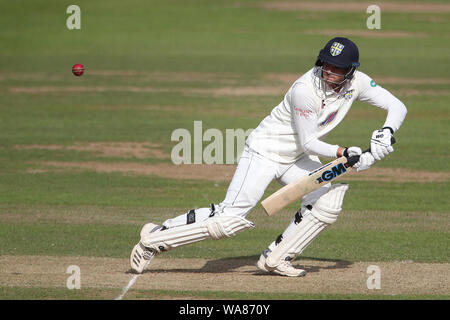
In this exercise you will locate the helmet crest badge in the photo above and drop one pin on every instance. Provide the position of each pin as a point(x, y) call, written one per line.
point(336, 49)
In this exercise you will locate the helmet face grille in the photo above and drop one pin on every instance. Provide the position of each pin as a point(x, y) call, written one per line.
point(323, 89)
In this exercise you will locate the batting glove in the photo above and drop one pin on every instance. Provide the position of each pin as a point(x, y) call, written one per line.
point(366, 160)
point(352, 151)
point(380, 144)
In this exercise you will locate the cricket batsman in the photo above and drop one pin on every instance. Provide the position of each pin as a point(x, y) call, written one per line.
point(286, 146)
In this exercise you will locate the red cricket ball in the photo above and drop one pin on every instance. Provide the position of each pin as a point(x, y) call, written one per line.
point(78, 69)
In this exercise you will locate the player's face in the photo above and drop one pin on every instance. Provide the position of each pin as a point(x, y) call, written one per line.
point(333, 75)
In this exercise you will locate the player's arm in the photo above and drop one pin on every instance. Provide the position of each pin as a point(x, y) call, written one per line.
point(375, 95)
point(305, 119)
point(304, 113)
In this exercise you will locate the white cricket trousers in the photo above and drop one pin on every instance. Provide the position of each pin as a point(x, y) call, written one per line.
point(253, 174)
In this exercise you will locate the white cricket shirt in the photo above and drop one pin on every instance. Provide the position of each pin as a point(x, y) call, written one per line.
point(299, 123)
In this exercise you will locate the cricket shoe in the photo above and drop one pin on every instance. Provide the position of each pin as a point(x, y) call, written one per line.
point(141, 256)
point(285, 268)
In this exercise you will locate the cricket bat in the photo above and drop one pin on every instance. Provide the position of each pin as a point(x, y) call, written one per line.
point(314, 180)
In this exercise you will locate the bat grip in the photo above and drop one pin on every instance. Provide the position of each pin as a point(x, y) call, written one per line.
point(351, 161)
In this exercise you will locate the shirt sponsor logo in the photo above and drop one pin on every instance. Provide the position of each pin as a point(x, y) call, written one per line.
point(373, 83)
point(302, 112)
point(329, 119)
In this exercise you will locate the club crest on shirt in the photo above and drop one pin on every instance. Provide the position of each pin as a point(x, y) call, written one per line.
point(329, 119)
point(336, 49)
point(348, 95)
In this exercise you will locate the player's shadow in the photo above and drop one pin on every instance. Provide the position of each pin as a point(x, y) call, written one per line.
point(329, 264)
point(230, 264)
point(211, 266)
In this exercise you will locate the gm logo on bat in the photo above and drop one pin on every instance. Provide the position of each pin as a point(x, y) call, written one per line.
point(329, 175)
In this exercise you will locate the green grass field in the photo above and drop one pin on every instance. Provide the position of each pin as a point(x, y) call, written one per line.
point(78, 154)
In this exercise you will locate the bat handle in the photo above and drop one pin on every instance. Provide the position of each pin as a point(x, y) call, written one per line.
point(354, 159)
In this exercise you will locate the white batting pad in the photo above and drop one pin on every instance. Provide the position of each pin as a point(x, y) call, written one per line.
point(329, 205)
point(323, 213)
point(216, 227)
point(306, 231)
point(226, 226)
